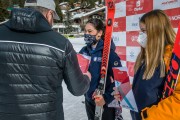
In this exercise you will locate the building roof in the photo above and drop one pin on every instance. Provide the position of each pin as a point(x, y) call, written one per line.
point(94, 11)
point(63, 26)
point(87, 14)
point(58, 26)
point(63, 3)
point(74, 9)
point(77, 16)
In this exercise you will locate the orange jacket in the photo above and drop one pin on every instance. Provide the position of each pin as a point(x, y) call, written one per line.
point(167, 109)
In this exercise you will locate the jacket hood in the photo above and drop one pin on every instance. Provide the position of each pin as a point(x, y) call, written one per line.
point(27, 20)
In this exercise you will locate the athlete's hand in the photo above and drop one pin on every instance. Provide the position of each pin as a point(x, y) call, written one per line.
point(116, 94)
point(99, 100)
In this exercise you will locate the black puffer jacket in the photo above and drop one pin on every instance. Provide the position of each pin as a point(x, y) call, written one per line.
point(33, 62)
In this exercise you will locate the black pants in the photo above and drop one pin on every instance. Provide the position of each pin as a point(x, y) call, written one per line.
point(108, 113)
point(135, 115)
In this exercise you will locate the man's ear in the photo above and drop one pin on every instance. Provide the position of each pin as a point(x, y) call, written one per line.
point(49, 17)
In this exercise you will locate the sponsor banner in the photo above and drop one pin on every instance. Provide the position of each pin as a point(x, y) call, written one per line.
point(134, 7)
point(132, 22)
point(126, 26)
point(120, 9)
point(121, 51)
point(132, 53)
point(119, 38)
point(130, 66)
point(131, 39)
point(166, 4)
point(119, 24)
point(118, 1)
point(174, 16)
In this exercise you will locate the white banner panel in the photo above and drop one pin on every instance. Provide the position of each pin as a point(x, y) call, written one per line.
point(132, 53)
point(132, 22)
point(120, 9)
point(166, 4)
point(119, 38)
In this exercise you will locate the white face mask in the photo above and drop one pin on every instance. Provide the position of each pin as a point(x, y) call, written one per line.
point(142, 39)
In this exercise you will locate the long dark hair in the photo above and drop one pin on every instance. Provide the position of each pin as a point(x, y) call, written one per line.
point(98, 25)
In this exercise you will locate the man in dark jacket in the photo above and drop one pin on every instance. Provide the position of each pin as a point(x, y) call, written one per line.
point(34, 60)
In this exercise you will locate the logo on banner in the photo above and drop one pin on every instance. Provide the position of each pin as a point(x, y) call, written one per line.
point(132, 54)
point(166, 4)
point(138, 4)
point(135, 24)
point(134, 38)
point(169, 2)
point(119, 24)
point(131, 38)
point(115, 38)
point(115, 24)
point(174, 16)
point(177, 17)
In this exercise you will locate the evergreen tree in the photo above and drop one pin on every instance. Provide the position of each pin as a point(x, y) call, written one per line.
point(5, 3)
point(71, 3)
point(1, 13)
point(3, 9)
point(58, 10)
point(68, 22)
point(21, 3)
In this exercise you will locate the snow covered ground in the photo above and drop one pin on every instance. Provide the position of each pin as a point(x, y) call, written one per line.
point(74, 109)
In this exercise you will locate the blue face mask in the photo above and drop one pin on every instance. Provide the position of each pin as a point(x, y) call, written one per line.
point(90, 39)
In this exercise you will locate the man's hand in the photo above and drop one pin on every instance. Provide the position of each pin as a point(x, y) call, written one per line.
point(88, 74)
